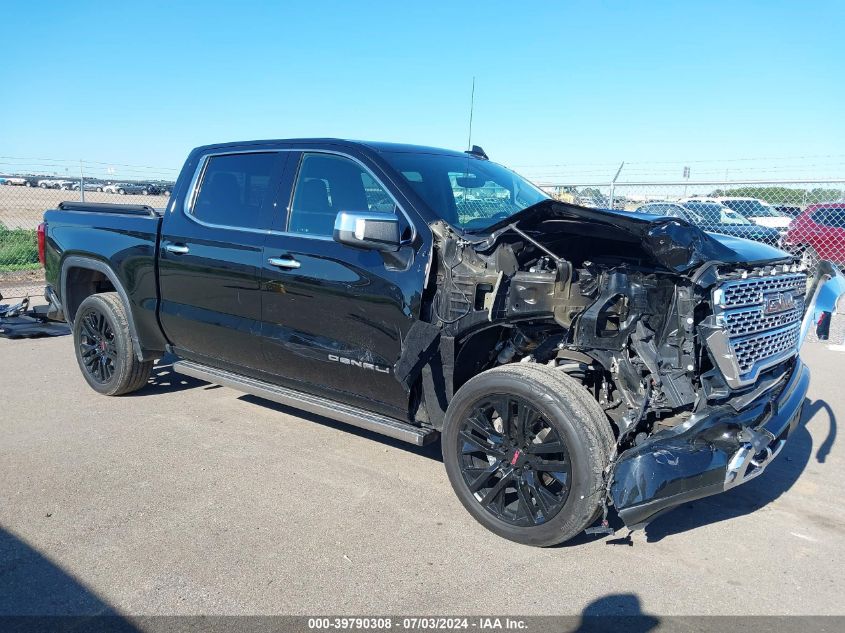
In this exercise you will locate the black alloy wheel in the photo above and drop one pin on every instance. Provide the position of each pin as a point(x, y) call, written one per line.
point(525, 447)
point(514, 461)
point(97, 348)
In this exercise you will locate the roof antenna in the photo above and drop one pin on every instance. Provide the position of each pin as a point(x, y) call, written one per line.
point(473, 150)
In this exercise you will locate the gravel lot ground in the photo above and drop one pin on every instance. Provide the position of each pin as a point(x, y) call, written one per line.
point(188, 499)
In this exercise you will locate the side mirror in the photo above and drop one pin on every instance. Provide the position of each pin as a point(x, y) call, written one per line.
point(370, 230)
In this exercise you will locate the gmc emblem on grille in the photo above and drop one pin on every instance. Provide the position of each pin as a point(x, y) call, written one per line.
point(778, 302)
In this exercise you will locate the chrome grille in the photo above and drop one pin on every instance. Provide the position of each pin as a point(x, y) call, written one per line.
point(751, 320)
point(761, 320)
point(750, 350)
point(745, 292)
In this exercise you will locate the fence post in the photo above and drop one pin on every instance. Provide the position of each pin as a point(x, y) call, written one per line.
point(613, 183)
point(81, 182)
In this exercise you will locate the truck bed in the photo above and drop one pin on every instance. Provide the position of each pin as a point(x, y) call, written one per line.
point(121, 238)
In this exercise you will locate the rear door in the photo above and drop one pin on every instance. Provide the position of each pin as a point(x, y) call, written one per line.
point(211, 258)
point(335, 317)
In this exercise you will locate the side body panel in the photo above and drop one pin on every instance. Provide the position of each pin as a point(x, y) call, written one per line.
point(336, 324)
point(125, 245)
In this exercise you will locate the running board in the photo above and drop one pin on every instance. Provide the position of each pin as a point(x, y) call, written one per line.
point(307, 402)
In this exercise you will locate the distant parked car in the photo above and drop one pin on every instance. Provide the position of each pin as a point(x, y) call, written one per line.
point(819, 233)
point(158, 189)
point(713, 217)
point(757, 211)
point(21, 181)
point(54, 183)
point(127, 187)
point(787, 209)
point(89, 186)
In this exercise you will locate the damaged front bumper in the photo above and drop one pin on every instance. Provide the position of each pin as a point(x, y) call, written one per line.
point(711, 452)
point(725, 445)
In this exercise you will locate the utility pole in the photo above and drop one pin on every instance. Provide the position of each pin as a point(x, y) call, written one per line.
point(81, 182)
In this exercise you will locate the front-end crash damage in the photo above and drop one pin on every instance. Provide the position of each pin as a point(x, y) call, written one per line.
point(687, 340)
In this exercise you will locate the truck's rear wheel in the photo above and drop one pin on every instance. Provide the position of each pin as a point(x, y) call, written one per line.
point(524, 447)
point(104, 346)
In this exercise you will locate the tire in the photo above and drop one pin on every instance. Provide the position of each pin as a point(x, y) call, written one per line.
point(568, 415)
point(99, 190)
point(121, 192)
point(103, 346)
point(27, 184)
point(43, 185)
point(143, 192)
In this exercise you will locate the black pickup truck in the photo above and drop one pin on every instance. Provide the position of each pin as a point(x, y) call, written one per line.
point(571, 360)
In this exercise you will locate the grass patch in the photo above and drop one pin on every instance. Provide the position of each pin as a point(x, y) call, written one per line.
point(18, 249)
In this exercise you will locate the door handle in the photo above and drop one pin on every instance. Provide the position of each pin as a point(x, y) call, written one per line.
point(176, 249)
point(284, 262)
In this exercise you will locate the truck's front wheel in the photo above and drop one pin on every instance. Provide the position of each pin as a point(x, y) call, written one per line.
point(104, 346)
point(524, 447)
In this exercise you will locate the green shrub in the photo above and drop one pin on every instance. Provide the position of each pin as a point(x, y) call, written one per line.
point(18, 249)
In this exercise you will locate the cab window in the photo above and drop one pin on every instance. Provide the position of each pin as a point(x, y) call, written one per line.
point(326, 185)
point(233, 189)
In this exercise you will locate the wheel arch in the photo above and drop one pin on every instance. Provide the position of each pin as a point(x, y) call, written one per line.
point(82, 277)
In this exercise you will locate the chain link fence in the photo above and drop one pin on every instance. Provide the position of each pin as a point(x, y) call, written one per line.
point(28, 188)
point(806, 218)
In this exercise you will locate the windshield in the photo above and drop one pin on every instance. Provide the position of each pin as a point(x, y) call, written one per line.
point(716, 213)
point(751, 208)
point(469, 193)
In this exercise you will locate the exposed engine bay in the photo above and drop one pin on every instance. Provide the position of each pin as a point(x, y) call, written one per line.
point(659, 320)
point(608, 313)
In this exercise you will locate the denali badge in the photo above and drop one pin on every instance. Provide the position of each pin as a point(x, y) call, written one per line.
point(778, 302)
point(357, 363)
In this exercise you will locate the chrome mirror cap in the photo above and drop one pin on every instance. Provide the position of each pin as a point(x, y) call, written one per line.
point(824, 291)
point(368, 230)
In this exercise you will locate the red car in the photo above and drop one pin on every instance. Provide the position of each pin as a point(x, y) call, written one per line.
point(819, 233)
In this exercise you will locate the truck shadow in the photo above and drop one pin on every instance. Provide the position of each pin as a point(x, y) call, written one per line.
point(164, 380)
point(779, 477)
point(430, 451)
point(32, 588)
point(810, 411)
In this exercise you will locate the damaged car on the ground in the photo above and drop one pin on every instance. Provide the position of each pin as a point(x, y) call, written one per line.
point(571, 360)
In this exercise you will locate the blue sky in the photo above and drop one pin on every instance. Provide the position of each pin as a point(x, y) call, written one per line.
point(562, 88)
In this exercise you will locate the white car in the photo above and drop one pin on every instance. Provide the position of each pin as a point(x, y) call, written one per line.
point(53, 183)
point(757, 211)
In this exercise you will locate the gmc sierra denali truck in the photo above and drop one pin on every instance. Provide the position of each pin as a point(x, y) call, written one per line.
point(571, 360)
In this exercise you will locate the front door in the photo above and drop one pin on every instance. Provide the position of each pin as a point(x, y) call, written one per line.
point(335, 317)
